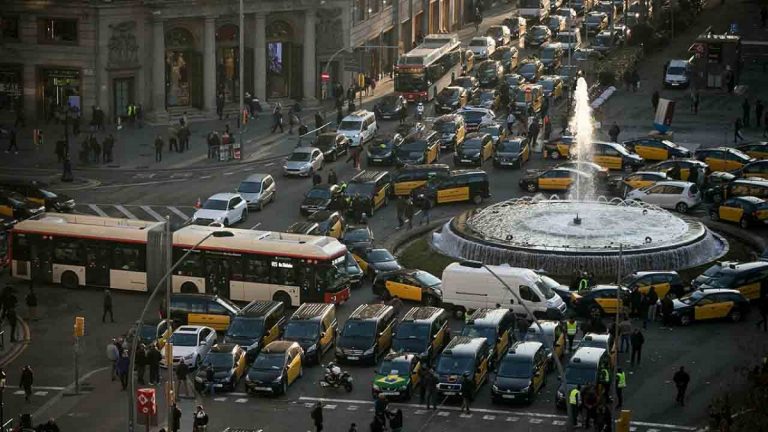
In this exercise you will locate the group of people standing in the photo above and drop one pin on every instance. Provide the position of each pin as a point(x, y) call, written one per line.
point(147, 357)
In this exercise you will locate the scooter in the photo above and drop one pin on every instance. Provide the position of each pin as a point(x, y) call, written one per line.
point(335, 377)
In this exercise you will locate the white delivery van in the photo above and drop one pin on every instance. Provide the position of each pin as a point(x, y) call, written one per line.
point(677, 74)
point(468, 286)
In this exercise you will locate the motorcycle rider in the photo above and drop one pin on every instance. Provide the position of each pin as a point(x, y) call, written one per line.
point(420, 111)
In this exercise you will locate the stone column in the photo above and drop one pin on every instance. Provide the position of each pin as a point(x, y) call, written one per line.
point(309, 73)
point(158, 68)
point(209, 65)
point(260, 56)
point(397, 28)
point(425, 17)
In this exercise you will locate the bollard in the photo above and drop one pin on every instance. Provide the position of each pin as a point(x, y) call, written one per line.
point(622, 423)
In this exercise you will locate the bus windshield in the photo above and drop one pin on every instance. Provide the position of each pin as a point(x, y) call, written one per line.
point(410, 82)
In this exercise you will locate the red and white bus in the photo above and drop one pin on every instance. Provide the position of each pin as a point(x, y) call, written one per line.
point(80, 250)
point(421, 73)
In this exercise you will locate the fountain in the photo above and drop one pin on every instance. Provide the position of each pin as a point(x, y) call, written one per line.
point(583, 231)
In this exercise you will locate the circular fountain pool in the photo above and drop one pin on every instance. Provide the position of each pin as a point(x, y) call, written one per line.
point(560, 236)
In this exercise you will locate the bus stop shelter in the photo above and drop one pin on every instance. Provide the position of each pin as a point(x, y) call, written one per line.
point(715, 56)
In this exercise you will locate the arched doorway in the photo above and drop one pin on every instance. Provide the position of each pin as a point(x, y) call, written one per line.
point(228, 62)
point(183, 69)
point(283, 61)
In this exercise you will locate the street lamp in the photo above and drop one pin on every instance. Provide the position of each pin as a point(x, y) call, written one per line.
point(560, 370)
point(169, 328)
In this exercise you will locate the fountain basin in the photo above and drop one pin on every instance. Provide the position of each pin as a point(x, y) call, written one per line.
point(545, 234)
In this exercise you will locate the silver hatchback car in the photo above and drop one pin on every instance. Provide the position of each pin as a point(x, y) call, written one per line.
point(258, 190)
point(304, 161)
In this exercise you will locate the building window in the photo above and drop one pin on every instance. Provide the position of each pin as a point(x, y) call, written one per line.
point(9, 28)
point(374, 6)
point(57, 30)
point(361, 10)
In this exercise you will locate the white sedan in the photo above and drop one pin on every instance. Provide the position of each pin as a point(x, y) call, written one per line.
point(678, 195)
point(222, 208)
point(190, 344)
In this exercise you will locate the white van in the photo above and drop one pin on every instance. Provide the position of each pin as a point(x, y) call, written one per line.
point(360, 127)
point(677, 73)
point(468, 286)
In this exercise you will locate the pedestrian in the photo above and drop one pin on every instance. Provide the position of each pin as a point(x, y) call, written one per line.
point(409, 212)
point(467, 392)
point(696, 101)
point(292, 120)
point(574, 400)
point(220, 105)
point(667, 307)
point(31, 301)
point(655, 100)
point(425, 205)
point(303, 129)
point(621, 384)
point(184, 135)
point(200, 422)
point(400, 207)
point(430, 384)
point(763, 308)
point(106, 151)
point(547, 128)
point(403, 114)
point(319, 121)
point(123, 365)
point(332, 177)
point(522, 327)
point(140, 361)
point(159, 148)
point(10, 315)
point(339, 116)
point(95, 149)
point(644, 308)
point(396, 420)
point(652, 299)
point(625, 331)
point(510, 121)
point(210, 379)
point(745, 108)
point(107, 306)
point(681, 380)
point(277, 121)
point(380, 409)
point(604, 420)
point(12, 145)
point(637, 340)
point(759, 108)
point(153, 361)
point(27, 378)
point(571, 328)
point(176, 425)
point(182, 370)
point(737, 125)
point(113, 353)
point(613, 132)
point(590, 400)
point(317, 416)
point(316, 179)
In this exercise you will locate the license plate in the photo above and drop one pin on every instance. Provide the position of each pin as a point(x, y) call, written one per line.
point(377, 160)
point(507, 163)
point(263, 388)
point(466, 160)
point(390, 393)
point(353, 358)
point(450, 393)
point(508, 396)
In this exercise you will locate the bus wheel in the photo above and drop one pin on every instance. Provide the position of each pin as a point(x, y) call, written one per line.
point(282, 296)
point(431, 300)
point(189, 288)
point(70, 280)
point(477, 199)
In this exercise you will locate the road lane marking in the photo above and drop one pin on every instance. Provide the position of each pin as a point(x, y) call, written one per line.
point(125, 211)
point(205, 177)
point(534, 420)
point(241, 400)
point(180, 214)
point(220, 399)
point(229, 173)
point(153, 213)
point(512, 419)
point(352, 408)
point(443, 413)
point(489, 417)
point(98, 211)
point(52, 388)
point(269, 164)
point(256, 226)
point(40, 393)
point(238, 394)
point(465, 415)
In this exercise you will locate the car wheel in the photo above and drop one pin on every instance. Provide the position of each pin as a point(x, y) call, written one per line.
point(189, 287)
point(282, 297)
point(226, 222)
point(682, 208)
point(284, 386)
point(477, 199)
point(686, 320)
point(735, 315)
point(531, 187)
point(744, 223)
point(69, 280)
point(459, 313)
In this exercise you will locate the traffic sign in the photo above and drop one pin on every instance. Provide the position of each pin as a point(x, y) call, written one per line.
point(325, 77)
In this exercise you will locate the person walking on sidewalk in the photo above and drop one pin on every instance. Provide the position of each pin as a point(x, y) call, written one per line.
point(12, 145)
point(681, 380)
point(425, 205)
point(737, 126)
point(141, 363)
point(745, 108)
point(26, 381)
point(319, 121)
point(637, 340)
point(625, 332)
point(31, 301)
point(153, 361)
point(277, 120)
point(220, 105)
point(409, 212)
point(107, 307)
point(106, 151)
point(182, 370)
point(200, 422)
point(614, 132)
point(184, 135)
point(317, 416)
point(159, 149)
point(621, 384)
point(400, 206)
point(696, 101)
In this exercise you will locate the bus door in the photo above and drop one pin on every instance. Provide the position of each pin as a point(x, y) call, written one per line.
point(217, 276)
point(40, 257)
point(97, 263)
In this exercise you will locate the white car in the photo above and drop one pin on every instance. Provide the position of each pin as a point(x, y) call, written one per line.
point(222, 208)
point(304, 161)
point(482, 47)
point(190, 344)
point(678, 195)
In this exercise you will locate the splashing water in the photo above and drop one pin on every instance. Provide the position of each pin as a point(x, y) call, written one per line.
point(582, 127)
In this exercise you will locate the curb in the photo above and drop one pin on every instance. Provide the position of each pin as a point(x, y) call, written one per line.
point(19, 347)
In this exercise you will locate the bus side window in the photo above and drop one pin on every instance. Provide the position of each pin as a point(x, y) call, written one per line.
point(68, 251)
point(128, 257)
point(256, 270)
point(21, 247)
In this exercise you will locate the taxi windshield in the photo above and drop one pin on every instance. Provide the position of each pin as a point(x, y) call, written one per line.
point(298, 330)
point(319, 193)
point(527, 68)
point(579, 375)
point(487, 96)
point(449, 93)
point(426, 279)
point(510, 146)
point(356, 235)
point(472, 144)
point(265, 361)
point(445, 127)
point(489, 333)
point(455, 365)
point(380, 255)
point(514, 368)
point(492, 130)
point(244, 327)
point(391, 367)
point(364, 189)
point(359, 329)
point(547, 84)
point(220, 360)
point(692, 297)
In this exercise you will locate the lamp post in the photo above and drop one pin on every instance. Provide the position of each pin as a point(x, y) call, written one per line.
point(169, 329)
point(558, 365)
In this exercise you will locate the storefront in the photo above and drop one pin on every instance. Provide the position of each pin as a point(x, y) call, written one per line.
point(228, 62)
point(11, 87)
point(58, 87)
point(183, 70)
point(284, 61)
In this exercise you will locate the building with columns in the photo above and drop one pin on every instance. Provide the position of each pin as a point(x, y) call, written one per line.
point(175, 56)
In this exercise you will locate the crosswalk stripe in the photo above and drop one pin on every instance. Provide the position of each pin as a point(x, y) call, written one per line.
point(153, 213)
point(125, 211)
point(241, 400)
point(178, 212)
point(96, 209)
point(41, 393)
point(220, 399)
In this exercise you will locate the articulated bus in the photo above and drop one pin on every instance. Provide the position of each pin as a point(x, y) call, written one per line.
point(536, 10)
point(421, 73)
point(80, 250)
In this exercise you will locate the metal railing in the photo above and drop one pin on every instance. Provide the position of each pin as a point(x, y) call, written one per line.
point(7, 426)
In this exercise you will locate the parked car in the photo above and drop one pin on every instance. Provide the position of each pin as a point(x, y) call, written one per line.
point(303, 161)
point(482, 47)
point(258, 190)
point(223, 208)
point(678, 195)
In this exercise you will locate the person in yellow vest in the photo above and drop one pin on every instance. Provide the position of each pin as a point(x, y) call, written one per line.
point(621, 383)
point(603, 387)
point(571, 328)
point(574, 400)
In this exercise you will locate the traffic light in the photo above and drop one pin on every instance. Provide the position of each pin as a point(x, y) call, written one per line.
point(79, 326)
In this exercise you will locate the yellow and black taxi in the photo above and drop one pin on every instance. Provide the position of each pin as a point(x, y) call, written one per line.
point(228, 363)
point(367, 334)
point(662, 281)
point(553, 179)
point(636, 180)
point(358, 238)
point(653, 149)
point(38, 193)
point(531, 69)
point(475, 116)
point(314, 327)
point(513, 151)
point(747, 278)
point(488, 98)
point(600, 300)
point(583, 370)
point(715, 185)
point(276, 367)
point(600, 340)
point(599, 172)
point(723, 158)
point(450, 99)
point(746, 211)
point(374, 186)
point(375, 261)
point(332, 145)
point(522, 373)
point(476, 149)
point(406, 284)
point(320, 197)
point(397, 376)
point(391, 106)
point(256, 325)
point(423, 331)
point(463, 358)
point(468, 82)
point(410, 177)
point(382, 151)
point(757, 150)
point(553, 335)
point(461, 185)
point(451, 129)
point(202, 309)
point(154, 332)
point(508, 56)
point(352, 270)
point(513, 82)
point(681, 168)
point(755, 187)
point(552, 85)
point(756, 169)
point(496, 326)
point(710, 304)
point(305, 228)
point(528, 99)
point(489, 73)
point(496, 130)
point(419, 149)
point(330, 222)
point(16, 206)
point(559, 148)
point(615, 156)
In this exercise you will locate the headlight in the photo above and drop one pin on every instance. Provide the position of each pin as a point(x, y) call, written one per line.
point(339, 351)
point(278, 379)
point(285, 167)
point(369, 351)
point(495, 388)
point(455, 103)
point(305, 168)
point(254, 346)
point(476, 155)
point(312, 347)
point(526, 388)
point(189, 356)
point(376, 387)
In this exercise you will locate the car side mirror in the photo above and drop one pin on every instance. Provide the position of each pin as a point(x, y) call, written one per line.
point(202, 343)
point(322, 335)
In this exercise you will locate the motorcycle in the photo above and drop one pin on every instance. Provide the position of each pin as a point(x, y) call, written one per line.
point(420, 112)
point(335, 377)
